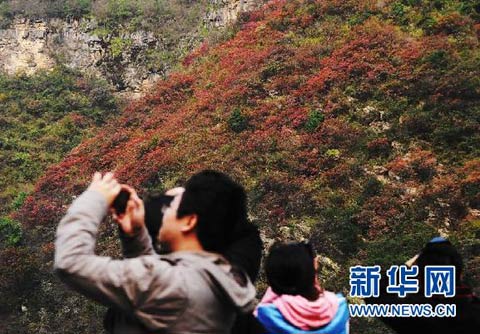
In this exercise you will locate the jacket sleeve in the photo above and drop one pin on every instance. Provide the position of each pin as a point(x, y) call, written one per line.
point(120, 283)
point(136, 245)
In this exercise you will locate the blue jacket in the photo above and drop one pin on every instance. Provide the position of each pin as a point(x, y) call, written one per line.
point(274, 322)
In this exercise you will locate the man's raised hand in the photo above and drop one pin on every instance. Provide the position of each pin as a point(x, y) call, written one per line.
point(107, 185)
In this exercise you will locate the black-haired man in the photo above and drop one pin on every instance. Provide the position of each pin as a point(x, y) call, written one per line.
point(192, 289)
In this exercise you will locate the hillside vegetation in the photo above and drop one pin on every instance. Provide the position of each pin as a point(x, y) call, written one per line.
point(353, 123)
point(42, 118)
point(132, 14)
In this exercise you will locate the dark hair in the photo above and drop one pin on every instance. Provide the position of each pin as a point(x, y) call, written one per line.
point(220, 205)
point(290, 270)
point(440, 253)
point(154, 215)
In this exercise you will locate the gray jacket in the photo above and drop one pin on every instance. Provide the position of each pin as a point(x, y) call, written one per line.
point(183, 292)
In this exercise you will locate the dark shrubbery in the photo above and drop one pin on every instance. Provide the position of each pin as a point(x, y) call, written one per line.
point(10, 232)
point(315, 118)
point(237, 121)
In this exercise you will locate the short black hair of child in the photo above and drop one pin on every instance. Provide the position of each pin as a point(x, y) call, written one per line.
point(290, 270)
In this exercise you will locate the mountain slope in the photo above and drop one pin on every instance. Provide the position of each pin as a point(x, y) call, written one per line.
point(353, 123)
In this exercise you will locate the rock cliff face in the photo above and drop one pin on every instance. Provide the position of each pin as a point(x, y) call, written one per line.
point(28, 46)
point(224, 12)
point(22, 47)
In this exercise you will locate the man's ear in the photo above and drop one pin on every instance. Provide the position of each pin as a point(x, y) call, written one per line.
point(189, 223)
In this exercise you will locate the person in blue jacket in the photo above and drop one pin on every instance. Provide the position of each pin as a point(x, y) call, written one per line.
point(294, 302)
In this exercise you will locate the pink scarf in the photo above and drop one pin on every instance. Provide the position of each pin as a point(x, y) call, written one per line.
point(301, 312)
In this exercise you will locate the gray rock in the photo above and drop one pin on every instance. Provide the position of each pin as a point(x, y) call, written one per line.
point(31, 45)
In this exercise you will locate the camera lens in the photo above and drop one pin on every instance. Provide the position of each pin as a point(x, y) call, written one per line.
point(120, 202)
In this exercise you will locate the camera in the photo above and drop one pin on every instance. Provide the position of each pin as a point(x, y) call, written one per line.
point(153, 204)
point(120, 202)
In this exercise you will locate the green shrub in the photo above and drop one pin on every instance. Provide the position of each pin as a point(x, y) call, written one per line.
point(19, 200)
point(11, 231)
point(398, 11)
point(118, 45)
point(333, 153)
point(315, 118)
point(438, 59)
point(5, 14)
point(237, 121)
point(373, 187)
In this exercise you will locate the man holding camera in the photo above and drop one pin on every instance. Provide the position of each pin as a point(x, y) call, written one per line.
point(192, 289)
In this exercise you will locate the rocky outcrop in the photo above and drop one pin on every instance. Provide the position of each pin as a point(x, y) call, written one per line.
point(225, 12)
point(28, 46)
point(22, 47)
point(122, 59)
